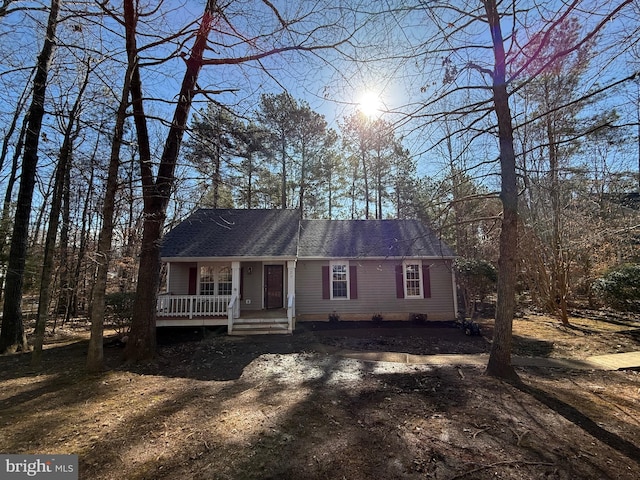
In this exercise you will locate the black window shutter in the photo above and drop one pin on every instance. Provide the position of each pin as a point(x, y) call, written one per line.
point(325, 283)
point(353, 282)
point(426, 281)
point(399, 282)
point(193, 280)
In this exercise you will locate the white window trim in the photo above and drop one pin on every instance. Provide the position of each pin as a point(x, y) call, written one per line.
point(218, 282)
point(331, 265)
point(200, 276)
point(420, 279)
point(216, 276)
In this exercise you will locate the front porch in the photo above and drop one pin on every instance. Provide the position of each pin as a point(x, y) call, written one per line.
point(223, 310)
point(252, 296)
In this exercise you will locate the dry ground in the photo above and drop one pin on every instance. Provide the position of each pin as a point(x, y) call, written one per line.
point(281, 407)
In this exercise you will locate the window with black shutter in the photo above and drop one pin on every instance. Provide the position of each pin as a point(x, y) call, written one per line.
point(339, 281)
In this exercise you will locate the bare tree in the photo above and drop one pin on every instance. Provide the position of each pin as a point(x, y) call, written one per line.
point(157, 188)
point(13, 337)
point(62, 171)
point(95, 353)
point(500, 358)
point(461, 83)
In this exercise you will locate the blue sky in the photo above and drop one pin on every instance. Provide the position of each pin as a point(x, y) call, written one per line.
point(397, 65)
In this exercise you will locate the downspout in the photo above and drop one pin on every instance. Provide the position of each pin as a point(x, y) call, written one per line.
point(454, 290)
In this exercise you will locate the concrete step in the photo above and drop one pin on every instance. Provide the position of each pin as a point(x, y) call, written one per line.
point(242, 321)
point(259, 331)
point(253, 327)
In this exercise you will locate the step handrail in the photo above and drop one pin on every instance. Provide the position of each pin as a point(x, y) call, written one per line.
point(291, 308)
point(230, 312)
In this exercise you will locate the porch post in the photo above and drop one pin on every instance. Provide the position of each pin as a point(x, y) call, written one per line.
point(291, 292)
point(235, 287)
point(454, 288)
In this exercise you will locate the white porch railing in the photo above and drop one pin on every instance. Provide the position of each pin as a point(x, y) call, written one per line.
point(190, 306)
point(291, 311)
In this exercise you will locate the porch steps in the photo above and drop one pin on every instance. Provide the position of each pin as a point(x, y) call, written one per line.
point(260, 326)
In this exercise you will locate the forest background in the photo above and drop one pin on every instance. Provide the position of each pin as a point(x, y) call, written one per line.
point(120, 115)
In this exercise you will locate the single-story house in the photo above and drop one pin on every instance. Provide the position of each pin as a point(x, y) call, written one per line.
point(261, 271)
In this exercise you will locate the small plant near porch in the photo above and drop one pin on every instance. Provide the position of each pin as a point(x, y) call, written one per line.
point(119, 308)
point(419, 318)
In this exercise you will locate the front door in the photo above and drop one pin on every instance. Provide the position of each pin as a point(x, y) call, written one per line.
point(273, 286)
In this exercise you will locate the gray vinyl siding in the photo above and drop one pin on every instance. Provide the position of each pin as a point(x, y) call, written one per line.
point(376, 292)
point(251, 286)
point(179, 278)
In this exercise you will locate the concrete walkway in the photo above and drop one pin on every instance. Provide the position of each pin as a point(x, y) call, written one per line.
point(616, 361)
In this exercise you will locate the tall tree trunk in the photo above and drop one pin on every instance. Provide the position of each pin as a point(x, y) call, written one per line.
point(14, 122)
point(461, 246)
point(156, 194)
point(330, 191)
point(95, 353)
point(499, 364)
point(379, 188)
point(69, 296)
point(217, 162)
point(12, 336)
point(365, 176)
point(354, 179)
point(283, 161)
point(558, 292)
point(638, 125)
point(64, 164)
point(85, 229)
point(250, 180)
point(65, 268)
point(127, 269)
point(5, 220)
point(303, 179)
point(39, 235)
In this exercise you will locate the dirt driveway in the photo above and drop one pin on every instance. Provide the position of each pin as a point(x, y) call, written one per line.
point(289, 407)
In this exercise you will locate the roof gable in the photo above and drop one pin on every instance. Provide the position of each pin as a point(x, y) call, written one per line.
point(234, 233)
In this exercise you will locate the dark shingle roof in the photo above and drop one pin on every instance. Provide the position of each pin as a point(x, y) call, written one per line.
point(369, 238)
point(234, 233)
point(279, 233)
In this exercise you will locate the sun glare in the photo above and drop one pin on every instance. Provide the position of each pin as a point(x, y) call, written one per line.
point(369, 103)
